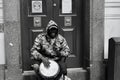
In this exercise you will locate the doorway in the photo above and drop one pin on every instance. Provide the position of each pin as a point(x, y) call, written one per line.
point(35, 15)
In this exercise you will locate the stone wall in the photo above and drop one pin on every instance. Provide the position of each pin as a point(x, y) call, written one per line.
point(96, 39)
point(12, 39)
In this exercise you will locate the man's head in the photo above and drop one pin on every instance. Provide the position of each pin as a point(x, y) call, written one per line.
point(52, 29)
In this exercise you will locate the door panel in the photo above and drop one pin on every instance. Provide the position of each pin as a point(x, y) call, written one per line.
point(69, 24)
point(70, 31)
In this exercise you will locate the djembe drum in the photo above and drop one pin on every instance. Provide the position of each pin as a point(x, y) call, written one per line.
point(49, 72)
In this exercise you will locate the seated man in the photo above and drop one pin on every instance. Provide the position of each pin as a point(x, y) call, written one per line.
point(50, 45)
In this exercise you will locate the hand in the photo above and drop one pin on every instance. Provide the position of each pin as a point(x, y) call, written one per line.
point(35, 54)
point(46, 62)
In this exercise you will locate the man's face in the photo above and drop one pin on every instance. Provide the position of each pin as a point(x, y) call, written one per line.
point(53, 32)
point(53, 35)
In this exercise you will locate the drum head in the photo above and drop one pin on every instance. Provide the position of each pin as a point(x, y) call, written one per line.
point(52, 71)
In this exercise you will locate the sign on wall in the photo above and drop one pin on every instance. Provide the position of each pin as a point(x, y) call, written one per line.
point(66, 6)
point(68, 21)
point(37, 6)
point(37, 21)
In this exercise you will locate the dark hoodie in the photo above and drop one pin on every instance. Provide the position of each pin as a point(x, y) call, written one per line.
point(52, 29)
point(48, 44)
point(51, 24)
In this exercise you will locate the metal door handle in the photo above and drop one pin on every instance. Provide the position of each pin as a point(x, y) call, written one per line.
point(54, 4)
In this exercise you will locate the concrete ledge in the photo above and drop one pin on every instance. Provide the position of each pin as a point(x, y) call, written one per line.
point(28, 73)
point(73, 73)
point(76, 70)
point(70, 70)
point(77, 74)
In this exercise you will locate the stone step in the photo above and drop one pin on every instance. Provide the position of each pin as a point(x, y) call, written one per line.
point(73, 73)
point(77, 74)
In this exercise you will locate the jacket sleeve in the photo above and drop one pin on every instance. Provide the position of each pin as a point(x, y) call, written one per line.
point(65, 48)
point(36, 46)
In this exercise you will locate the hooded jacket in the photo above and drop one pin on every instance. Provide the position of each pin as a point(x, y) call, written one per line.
point(43, 44)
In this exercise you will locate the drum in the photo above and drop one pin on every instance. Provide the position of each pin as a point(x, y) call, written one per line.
point(51, 72)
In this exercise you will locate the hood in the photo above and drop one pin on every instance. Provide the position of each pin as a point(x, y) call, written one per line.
point(51, 24)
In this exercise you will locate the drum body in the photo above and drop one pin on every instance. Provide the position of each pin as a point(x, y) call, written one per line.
point(51, 72)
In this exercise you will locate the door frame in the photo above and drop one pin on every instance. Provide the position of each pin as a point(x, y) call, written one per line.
point(85, 40)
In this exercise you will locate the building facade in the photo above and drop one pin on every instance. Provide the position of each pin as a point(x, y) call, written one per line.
point(91, 35)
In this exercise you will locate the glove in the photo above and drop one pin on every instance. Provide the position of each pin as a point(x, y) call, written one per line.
point(35, 55)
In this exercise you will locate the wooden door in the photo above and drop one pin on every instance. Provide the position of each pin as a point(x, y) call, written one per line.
point(70, 23)
point(35, 15)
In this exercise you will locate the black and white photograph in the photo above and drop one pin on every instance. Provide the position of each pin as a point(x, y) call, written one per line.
point(59, 40)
